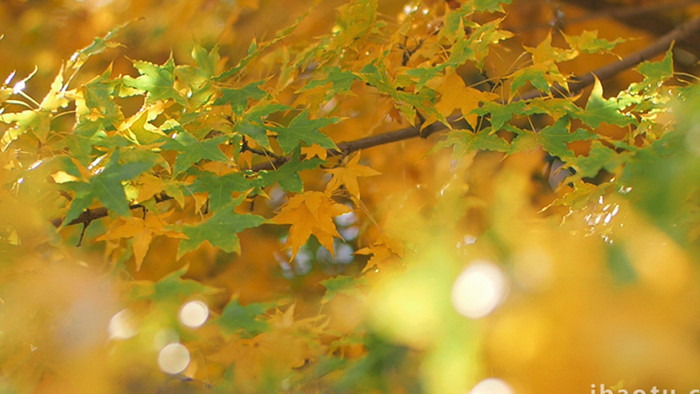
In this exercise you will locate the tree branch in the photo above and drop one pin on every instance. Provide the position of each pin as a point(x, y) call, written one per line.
point(657, 47)
point(624, 12)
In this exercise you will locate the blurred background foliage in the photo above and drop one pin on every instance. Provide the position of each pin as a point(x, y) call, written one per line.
point(576, 285)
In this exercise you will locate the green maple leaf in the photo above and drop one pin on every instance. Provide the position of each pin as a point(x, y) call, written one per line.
point(236, 318)
point(463, 141)
point(599, 110)
point(654, 72)
point(255, 131)
point(157, 80)
point(219, 230)
point(588, 42)
point(534, 75)
point(191, 150)
point(554, 107)
point(171, 288)
point(252, 123)
point(220, 187)
point(303, 129)
point(238, 98)
point(99, 97)
point(287, 176)
point(554, 138)
point(207, 61)
point(107, 187)
point(500, 113)
point(341, 81)
point(599, 157)
point(490, 5)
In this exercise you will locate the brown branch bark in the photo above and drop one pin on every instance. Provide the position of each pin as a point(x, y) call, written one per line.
point(656, 23)
point(628, 12)
point(659, 46)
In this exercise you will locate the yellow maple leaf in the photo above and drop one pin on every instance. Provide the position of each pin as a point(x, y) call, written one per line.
point(141, 231)
point(454, 94)
point(314, 150)
point(386, 253)
point(310, 213)
point(347, 175)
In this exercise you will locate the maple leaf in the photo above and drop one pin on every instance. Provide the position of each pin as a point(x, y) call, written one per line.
point(499, 113)
point(220, 187)
point(38, 122)
point(347, 176)
point(98, 98)
point(170, 288)
point(219, 230)
point(142, 231)
point(588, 42)
point(158, 81)
point(385, 253)
point(310, 213)
point(490, 5)
point(314, 150)
point(106, 186)
point(455, 95)
point(138, 127)
point(599, 157)
point(654, 72)
point(464, 141)
point(191, 150)
point(238, 98)
point(554, 138)
point(599, 110)
point(245, 320)
point(287, 176)
point(303, 129)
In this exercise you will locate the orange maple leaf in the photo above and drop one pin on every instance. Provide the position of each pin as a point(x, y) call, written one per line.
point(142, 231)
point(386, 253)
point(348, 174)
point(310, 213)
point(456, 95)
point(314, 150)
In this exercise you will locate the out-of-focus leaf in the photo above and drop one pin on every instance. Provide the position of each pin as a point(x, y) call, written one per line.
point(245, 320)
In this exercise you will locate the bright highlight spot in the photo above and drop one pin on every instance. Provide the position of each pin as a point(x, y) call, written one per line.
point(194, 313)
point(19, 87)
point(121, 325)
point(478, 290)
point(9, 78)
point(173, 358)
point(492, 386)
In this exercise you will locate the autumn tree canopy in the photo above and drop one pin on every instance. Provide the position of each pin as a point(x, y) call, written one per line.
point(442, 196)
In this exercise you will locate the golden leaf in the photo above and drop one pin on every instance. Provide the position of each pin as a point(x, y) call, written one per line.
point(141, 231)
point(455, 95)
point(310, 213)
point(348, 174)
point(314, 150)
